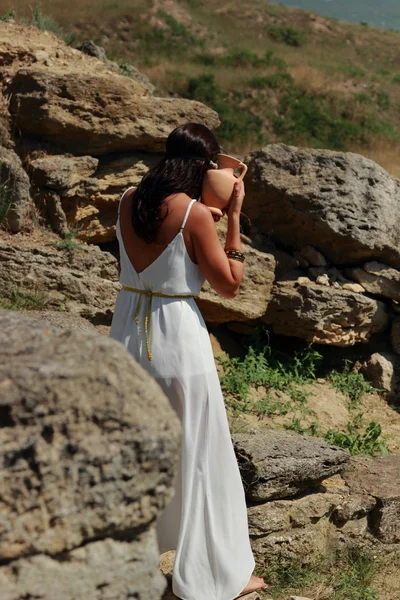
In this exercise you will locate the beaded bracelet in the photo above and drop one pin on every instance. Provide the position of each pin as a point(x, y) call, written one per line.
point(235, 255)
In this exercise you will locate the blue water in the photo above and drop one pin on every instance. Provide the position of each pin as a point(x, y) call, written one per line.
point(381, 13)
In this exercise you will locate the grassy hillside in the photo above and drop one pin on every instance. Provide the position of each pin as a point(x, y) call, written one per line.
point(272, 73)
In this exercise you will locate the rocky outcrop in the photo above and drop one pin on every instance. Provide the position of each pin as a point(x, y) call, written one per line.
point(345, 205)
point(378, 279)
point(324, 315)
point(379, 479)
point(277, 464)
point(82, 480)
point(82, 280)
point(14, 191)
point(86, 112)
point(255, 290)
point(81, 194)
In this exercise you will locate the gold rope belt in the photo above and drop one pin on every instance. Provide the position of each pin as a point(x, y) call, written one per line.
point(150, 295)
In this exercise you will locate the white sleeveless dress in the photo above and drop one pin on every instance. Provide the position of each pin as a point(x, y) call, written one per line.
point(206, 522)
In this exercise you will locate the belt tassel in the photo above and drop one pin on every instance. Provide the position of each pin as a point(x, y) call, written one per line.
point(147, 319)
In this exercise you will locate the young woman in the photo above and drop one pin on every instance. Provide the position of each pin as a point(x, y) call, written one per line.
point(168, 247)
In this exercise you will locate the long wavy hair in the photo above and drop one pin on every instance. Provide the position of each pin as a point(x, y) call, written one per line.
point(189, 150)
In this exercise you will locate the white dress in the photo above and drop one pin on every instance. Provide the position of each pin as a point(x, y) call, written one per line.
point(206, 522)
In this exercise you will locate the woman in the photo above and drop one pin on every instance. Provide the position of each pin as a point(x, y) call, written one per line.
point(168, 247)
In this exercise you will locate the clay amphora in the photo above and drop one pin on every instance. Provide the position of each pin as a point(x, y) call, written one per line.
point(218, 183)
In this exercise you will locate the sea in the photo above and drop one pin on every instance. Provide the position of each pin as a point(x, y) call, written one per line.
point(380, 13)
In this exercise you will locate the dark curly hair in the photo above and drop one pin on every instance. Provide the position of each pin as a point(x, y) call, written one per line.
point(189, 150)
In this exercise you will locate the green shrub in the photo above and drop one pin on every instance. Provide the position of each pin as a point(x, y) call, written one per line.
point(261, 368)
point(175, 39)
point(287, 35)
point(237, 123)
point(351, 384)
point(383, 100)
point(358, 440)
point(273, 81)
point(47, 23)
point(8, 16)
point(24, 299)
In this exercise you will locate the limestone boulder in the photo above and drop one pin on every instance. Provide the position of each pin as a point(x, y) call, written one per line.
point(383, 371)
point(61, 172)
point(89, 448)
point(344, 205)
point(378, 478)
point(14, 190)
point(378, 279)
point(95, 113)
point(255, 290)
point(323, 314)
point(277, 464)
point(82, 280)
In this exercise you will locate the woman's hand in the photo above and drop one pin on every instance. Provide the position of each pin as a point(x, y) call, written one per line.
point(236, 203)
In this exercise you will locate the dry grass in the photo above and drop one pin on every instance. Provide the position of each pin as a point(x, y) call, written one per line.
point(383, 152)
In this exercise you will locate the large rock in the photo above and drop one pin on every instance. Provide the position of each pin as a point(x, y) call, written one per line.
point(379, 478)
point(378, 279)
point(343, 204)
point(14, 190)
point(97, 113)
point(277, 464)
point(62, 172)
point(323, 314)
point(89, 447)
point(83, 280)
point(254, 294)
point(383, 371)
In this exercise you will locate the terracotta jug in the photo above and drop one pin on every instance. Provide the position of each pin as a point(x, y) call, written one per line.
point(218, 183)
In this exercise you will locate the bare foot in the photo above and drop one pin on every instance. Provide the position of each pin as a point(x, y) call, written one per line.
point(255, 583)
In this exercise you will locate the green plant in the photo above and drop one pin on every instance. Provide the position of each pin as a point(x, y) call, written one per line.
point(273, 81)
point(6, 196)
point(47, 23)
point(357, 440)
point(68, 242)
point(174, 38)
point(358, 572)
point(8, 16)
point(261, 368)
point(287, 35)
point(383, 100)
point(22, 298)
point(350, 383)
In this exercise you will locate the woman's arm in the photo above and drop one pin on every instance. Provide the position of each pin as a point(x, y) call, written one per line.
point(224, 274)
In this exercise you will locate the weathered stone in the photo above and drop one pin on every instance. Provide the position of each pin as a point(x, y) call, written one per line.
point(354, 506)
point(51, 207)
point(395, 335)
point(61, 172)
point(14, 190)
point(344, 204)
point(378, 279)
point(82, 481)
point(305, 543)
point(99, 570)
point(92, 208)
point(97, 113)
point(91, 49)
point(255, 290)
point(83, 280)
point(382, 369)
point(324, 315)
point(312, 256)
point(379, 478)
point(62, 320)
point(277, 464)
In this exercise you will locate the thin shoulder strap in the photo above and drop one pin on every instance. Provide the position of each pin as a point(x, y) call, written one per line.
point(185, 218)
point(123, 196)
